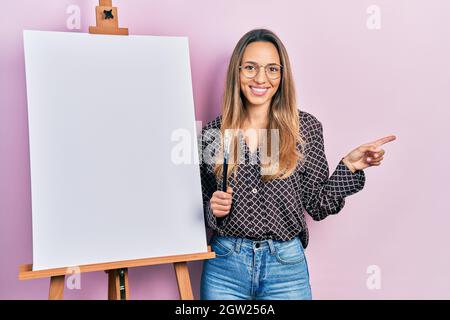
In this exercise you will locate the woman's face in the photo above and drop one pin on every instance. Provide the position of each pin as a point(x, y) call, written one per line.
point(259, 90)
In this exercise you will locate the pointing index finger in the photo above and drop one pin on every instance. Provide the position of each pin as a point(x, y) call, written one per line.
point(384, 140)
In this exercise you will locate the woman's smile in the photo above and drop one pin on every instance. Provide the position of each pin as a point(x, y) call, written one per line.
point(258, 91)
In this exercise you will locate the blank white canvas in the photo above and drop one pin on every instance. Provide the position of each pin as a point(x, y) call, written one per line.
point(101, 111)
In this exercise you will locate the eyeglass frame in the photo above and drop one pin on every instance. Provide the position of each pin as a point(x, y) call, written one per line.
point(265, 70)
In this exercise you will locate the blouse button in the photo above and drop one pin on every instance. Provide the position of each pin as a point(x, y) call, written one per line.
point(254, 190)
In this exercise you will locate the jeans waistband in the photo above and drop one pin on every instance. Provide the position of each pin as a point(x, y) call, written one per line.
point(239, 242)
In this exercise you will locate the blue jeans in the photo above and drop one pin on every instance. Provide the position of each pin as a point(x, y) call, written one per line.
point(247, 269)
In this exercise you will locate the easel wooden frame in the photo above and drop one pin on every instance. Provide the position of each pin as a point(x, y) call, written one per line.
point(105, 25)
point(117, 271)
point(57, 276)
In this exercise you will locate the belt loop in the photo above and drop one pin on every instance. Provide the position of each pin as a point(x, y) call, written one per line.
point(271, 246)
point(237, 246)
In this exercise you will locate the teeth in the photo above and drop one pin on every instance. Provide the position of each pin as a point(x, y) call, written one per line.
point(259, 89)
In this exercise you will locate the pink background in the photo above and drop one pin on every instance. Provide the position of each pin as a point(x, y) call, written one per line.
point(361, 84)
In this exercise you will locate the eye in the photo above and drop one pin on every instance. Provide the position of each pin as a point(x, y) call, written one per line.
point(249, 67)
point(274, 69)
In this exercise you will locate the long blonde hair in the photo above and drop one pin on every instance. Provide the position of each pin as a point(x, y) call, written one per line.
point(283, 112)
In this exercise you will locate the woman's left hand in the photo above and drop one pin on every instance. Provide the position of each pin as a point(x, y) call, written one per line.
point(367, 155)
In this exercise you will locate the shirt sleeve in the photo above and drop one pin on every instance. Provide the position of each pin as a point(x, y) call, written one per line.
point(209, 183)
point(322, 195)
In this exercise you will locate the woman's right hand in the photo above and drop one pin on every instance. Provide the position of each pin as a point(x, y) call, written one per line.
point(221, 202)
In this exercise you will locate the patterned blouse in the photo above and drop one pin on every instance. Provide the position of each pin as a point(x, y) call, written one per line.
point(275, 209)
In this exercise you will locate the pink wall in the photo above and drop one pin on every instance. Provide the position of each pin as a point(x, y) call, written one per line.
point(362, 84)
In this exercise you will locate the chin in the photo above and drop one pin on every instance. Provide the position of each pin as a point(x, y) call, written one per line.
point(255, 101)
point(258, 102)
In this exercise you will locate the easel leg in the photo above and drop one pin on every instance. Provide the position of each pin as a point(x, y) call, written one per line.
point(184, 282)
point(56, 291)
point(118, 288)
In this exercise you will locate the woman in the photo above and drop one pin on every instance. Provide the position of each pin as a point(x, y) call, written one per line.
point(259, 227)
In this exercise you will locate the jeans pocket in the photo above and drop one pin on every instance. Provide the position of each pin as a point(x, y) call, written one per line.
point(290, 254)
point(221, 248)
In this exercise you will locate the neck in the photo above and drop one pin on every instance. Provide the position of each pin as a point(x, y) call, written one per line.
point(257, 115)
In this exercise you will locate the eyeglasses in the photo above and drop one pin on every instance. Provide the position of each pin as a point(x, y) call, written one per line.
point(251, 70)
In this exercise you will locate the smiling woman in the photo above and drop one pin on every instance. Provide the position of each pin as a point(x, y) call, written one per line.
point(259, 226)
point(260, 94)
point(260, 85)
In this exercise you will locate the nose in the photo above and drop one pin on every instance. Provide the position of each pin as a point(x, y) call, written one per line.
point(261, 76)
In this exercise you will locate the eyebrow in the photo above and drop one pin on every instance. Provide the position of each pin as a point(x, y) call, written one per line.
point(258, 63)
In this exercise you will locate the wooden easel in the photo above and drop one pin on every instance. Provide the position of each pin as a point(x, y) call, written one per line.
point(117, 269)
point(107, 22)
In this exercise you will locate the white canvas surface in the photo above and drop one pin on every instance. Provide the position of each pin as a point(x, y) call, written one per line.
point(102, 110)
